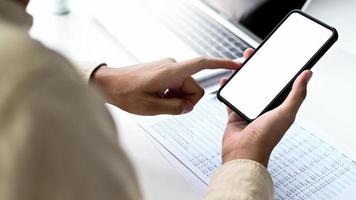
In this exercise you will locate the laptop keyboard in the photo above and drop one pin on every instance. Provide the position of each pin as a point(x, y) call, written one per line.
point(199, 31)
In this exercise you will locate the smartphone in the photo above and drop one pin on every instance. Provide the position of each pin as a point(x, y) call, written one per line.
point(266, 78)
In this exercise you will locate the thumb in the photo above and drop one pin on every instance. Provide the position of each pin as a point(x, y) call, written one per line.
point(298, 92)
point(173, 106)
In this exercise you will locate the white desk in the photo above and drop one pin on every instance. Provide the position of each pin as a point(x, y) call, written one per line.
point(330, 104)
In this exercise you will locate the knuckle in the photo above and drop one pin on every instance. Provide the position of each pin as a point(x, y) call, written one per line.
point(287, 114)
point(169, 60)
point(147, 106)
point(178, 109)
point(302, 93)
point(201, 92)
point(201, 60)
point(254, 133)
point(290, 117)
point(282, 109)
point(254, 130)
point(165, 68)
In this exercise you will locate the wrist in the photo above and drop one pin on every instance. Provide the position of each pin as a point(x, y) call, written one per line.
point(247, 154)
point(98, 73)
point(113, 85)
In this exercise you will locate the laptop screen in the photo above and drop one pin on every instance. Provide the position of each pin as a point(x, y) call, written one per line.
point(258, 17)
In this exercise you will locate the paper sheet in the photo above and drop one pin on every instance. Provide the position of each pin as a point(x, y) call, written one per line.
point(302, 165)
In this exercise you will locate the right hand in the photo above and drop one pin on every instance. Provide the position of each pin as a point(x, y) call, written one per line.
point(255, 141)
point(160, 87)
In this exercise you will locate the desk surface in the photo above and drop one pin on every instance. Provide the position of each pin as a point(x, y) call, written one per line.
point(329, 105)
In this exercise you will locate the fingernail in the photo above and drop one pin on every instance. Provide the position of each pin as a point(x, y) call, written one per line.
point(187, 109)
point(310, 74)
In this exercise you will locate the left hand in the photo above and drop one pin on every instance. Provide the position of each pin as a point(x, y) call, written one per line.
point(256, 140)
point(160, 87)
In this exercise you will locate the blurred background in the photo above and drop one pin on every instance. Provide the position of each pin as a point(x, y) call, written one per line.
point(75, 34)
point(123, 32)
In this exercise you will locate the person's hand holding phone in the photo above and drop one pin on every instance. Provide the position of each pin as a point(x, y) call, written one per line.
point(256, 140)
point(160, 87)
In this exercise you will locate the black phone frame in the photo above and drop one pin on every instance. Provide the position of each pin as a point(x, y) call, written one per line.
point(285, 91)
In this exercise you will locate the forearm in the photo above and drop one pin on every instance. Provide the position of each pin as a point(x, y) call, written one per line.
point(240, 180)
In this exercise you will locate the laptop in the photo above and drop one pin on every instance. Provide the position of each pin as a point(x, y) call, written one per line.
point(183, 29)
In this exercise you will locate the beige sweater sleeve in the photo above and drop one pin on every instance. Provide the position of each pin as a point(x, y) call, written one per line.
point(240, 180)
point(86, 69)
point(57, 140)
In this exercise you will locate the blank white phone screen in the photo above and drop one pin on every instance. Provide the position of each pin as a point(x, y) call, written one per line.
point(275, 64)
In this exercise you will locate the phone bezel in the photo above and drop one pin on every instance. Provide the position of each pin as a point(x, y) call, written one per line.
point(285, 91)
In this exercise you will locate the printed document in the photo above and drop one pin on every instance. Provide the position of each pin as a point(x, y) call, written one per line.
point(302, 165)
